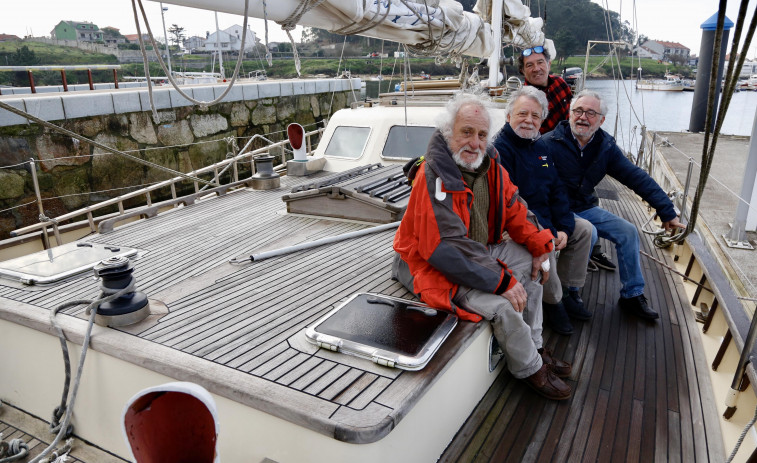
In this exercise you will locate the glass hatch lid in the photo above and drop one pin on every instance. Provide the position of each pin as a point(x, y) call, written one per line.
point(61, 262)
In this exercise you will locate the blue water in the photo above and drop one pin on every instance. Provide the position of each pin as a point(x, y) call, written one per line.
point(666, 111)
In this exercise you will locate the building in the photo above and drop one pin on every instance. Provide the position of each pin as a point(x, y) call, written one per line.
point(134, 38)
point(112, 35)
point(8, 37)
point(194, 43)
point(81, 31)
point(230, 39)
point(663, 51)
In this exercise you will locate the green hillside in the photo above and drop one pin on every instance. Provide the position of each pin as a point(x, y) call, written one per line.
point(31, 53)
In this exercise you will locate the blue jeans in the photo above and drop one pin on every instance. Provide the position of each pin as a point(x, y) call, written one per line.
point(626, 238)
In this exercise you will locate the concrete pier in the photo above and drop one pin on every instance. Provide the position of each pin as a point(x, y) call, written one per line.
point(718, 206)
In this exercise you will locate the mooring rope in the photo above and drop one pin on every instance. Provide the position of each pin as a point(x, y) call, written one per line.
point(741, 437)
point(63, 427)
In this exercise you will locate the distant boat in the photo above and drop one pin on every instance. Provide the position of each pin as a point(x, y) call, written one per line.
point(671, 83)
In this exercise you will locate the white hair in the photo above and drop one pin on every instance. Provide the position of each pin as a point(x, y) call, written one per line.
point(591, 93)
point(446, 120)
point(529, 92)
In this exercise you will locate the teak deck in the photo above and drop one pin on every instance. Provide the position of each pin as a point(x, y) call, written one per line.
point(641, 391)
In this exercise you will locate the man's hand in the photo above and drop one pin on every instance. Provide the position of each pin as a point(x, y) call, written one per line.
point(517, 296)
point(675, 223)
point(561, 241)
point(536, 268)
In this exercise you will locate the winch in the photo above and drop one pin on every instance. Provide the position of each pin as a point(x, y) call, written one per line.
point(132, 307)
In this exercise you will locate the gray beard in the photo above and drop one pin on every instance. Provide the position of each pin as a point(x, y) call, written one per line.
point(522, 133)
point(468, 165)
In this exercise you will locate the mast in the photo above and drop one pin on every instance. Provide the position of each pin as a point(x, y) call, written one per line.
point(497, 41)
point(218, 47)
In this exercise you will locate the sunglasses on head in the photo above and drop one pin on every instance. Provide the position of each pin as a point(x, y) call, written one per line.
point(528, 51)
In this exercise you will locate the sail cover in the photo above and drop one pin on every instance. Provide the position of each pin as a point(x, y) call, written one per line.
point(432, 27)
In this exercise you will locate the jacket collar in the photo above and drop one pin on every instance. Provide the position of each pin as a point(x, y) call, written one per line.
point(439, 159)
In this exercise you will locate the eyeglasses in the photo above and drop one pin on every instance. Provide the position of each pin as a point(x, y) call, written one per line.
point(528, 51)
point(590, 114)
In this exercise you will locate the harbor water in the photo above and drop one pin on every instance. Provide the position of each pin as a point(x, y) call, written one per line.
point(657, 110)
point(629, 109)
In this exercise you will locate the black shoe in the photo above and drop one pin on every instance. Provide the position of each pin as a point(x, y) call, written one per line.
point(556, 318)
point(601, 260)
point(592, 267)
point(574, 305)
point(638, 306)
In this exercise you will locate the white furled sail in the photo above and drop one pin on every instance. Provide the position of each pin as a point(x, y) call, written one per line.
point(431, 27)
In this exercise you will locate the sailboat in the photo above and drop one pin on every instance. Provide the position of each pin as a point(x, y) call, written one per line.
point(226, 316)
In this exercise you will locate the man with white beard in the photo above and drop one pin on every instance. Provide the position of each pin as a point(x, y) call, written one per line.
point(452, 254)
point(523, 154)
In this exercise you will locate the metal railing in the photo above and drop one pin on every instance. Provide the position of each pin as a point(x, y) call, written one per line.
point(218, 169)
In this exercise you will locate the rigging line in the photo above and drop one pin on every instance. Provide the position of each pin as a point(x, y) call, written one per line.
point(736, 195)
point(708, 154)
point(18, 206)
point(202, 104)
point(338, 68)
point(71, 134)
point(14, 165)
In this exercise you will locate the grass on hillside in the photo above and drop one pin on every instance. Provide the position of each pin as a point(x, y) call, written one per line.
point(284, 68)
point(53, 54)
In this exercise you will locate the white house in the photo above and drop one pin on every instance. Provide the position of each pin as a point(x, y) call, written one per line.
point(659, 50)
point(230, 39)
point(194, 43)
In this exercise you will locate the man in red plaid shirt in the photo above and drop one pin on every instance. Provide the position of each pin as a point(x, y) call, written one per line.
point(534, 64)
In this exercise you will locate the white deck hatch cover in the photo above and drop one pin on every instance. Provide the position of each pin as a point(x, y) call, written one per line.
point(61, 262)
point(387, 330)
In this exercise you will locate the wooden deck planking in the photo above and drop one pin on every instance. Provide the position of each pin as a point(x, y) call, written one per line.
point(638, 388)
point(636, 395)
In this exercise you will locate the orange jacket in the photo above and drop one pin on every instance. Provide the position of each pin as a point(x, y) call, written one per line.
point(433, 236)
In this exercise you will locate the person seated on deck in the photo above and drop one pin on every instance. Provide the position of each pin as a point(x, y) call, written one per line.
point(450, 249)
point(523, 154)
point(583, 154)
point(535, 64)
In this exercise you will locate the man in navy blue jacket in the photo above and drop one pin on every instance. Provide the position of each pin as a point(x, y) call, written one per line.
point(525, 157)
point(583, 154)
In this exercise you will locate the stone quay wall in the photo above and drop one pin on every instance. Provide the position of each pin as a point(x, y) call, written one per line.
point(73, 174)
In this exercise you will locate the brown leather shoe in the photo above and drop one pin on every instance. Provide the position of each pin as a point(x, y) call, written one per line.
point(560, 368)
point(545, 383)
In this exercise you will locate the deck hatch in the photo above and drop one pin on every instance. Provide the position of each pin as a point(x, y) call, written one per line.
point(61, 262)
point(387, 330)
point(370, 193)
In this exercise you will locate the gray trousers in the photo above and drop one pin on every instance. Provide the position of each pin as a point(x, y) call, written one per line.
point(518, 333)
point(569, 270)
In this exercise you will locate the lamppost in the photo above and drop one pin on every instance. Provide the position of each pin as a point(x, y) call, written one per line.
point(163, 9)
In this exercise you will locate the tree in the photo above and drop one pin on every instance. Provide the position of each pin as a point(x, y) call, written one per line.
point(177, 34)
point(23, 56)
point(572, 23)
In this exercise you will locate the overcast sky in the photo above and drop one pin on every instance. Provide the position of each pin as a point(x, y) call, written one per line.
point(670, 20)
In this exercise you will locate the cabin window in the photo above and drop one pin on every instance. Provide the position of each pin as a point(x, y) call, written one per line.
point(348, 142)
point(407, 142)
